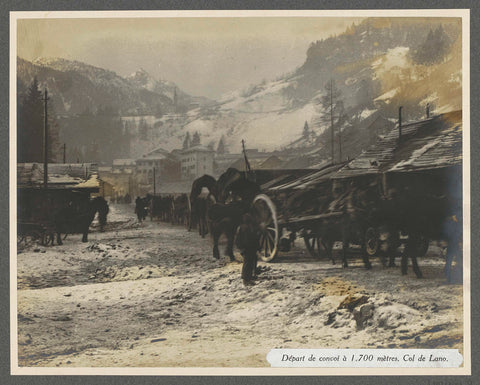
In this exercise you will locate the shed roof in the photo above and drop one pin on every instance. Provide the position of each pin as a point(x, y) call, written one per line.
point(124, 162)
point(311, 179)
point(60, 175)
point(427, 144)
point(197, 148)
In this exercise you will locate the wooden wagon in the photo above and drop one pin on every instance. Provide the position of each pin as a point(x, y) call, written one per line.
point(68, 184)
point(409, 182)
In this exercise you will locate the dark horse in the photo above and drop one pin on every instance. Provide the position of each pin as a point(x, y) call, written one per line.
point(225, 218)
point(200, 201)
point(141, 207)
point(75, 219)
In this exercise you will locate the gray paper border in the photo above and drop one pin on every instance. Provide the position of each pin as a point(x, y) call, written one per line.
point(88, 5)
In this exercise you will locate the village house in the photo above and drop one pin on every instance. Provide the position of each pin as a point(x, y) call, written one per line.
point(196, 161)
point(120, 177)
point(126, 166)
point(158, 166)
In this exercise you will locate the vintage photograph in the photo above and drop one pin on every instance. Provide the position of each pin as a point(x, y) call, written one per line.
point(195, 189)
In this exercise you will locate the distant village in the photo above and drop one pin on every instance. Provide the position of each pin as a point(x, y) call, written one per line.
point(158, 172)
point(161, 172)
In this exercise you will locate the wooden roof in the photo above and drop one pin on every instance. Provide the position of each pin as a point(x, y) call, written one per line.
point(312, 178)
point(428, 144)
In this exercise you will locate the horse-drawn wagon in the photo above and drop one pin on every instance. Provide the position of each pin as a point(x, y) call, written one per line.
point(63, 206)
point(407, 189)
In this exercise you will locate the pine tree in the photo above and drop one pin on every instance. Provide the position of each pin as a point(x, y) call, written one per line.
point(196, 139)
point(221, 146)
point(332, 112)
point(306, 131)
point(434, 48)
point(143, 129)
point(187, 141)
point(30, 126)
point(53, 133)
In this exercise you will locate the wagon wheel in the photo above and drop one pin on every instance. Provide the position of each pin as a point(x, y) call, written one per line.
point(265, 215)
point(371, 241)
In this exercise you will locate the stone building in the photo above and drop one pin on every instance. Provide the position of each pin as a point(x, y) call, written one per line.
point(196, 161)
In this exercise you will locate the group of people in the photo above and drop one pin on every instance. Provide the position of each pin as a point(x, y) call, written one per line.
point(123, 199)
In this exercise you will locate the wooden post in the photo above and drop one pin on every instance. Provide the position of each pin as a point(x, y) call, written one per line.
point(154, 188)
point(331, 121)
point(64, 153)
point(45, 143)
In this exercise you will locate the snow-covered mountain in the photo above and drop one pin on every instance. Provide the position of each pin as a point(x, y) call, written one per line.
point(142, 79)
point(376, 66)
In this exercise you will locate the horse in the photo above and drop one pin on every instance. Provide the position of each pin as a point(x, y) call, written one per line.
point(141, 207)
point(180, 210)
point(74, 220)
point(199, 188)
point(349, 220)
point(161, 207)
point(225, 219)
point(236, 194)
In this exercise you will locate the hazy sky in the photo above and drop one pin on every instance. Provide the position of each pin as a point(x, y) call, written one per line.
point(203, 56)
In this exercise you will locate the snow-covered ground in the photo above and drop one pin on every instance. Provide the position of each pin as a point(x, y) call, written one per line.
point(152, 295)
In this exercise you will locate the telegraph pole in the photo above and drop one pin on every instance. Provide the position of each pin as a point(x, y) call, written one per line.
point(45, 143)
point(64, 153)
point(340, 143)
point(331, 120)
point(247, 163)
point(154, 188)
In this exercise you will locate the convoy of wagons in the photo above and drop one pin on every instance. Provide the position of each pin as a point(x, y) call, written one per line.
point(407, 186)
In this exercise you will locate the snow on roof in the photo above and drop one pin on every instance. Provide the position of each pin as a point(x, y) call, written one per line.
point(77, 175)
point(158, 153)
point(310, 179)
point(198, 148)
point(427, 144)
point(124, 162)
point(91, 182)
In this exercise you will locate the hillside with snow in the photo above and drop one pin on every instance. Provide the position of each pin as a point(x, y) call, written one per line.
point(376, 66)
point(373, 68)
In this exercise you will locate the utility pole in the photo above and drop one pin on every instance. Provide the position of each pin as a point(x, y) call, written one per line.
point(331, 120)
point(154, 189)
point(45, 143)
point(247, 163)
point(340, 143)
point(64, 153)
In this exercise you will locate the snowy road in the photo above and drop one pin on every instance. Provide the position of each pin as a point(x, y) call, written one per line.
point(151, 294)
